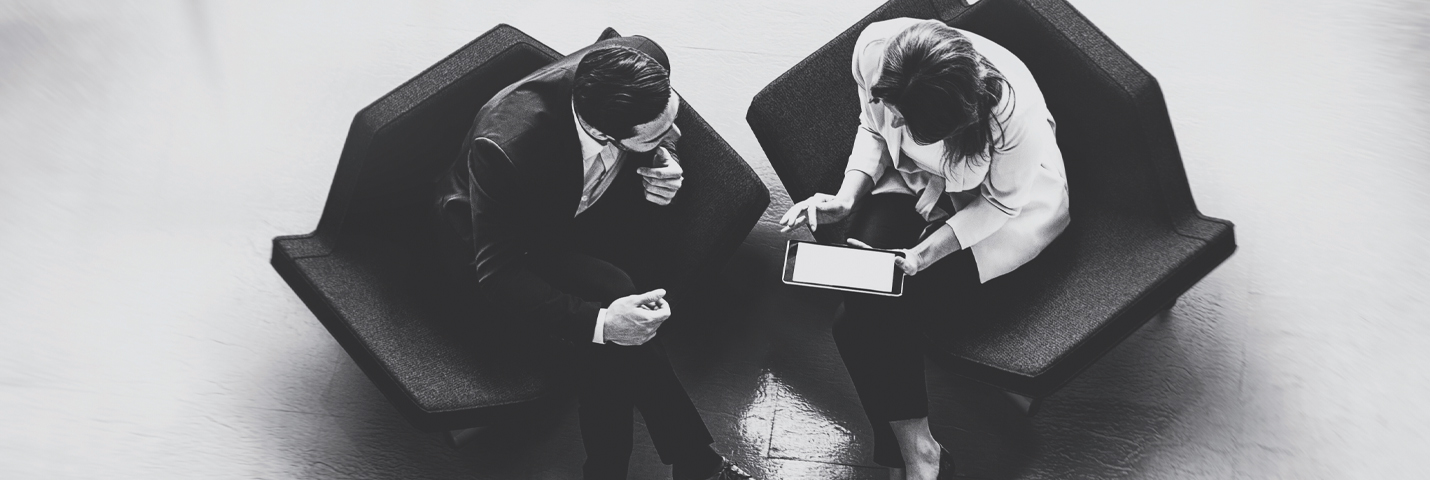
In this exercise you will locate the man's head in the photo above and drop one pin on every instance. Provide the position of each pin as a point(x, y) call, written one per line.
point(622, 95)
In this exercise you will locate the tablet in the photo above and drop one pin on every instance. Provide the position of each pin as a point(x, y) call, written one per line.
point(838, 267)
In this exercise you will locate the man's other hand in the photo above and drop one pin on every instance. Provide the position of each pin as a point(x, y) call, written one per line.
point(633, 320)
point(662, 181)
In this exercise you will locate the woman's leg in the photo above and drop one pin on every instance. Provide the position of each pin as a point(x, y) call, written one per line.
point(887, 373)
point(877, 337)
point(900, 418)
point(945, 291)
point(872, 336)
point(916, 444)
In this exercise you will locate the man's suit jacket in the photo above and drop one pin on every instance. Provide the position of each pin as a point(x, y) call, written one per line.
point(516, 186)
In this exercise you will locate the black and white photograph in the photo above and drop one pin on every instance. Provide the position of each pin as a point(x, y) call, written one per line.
point(741, 240)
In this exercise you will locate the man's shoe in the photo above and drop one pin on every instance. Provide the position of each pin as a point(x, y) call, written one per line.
point(730, 471)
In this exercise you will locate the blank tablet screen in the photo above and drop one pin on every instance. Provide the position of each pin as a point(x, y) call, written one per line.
point(858, 269)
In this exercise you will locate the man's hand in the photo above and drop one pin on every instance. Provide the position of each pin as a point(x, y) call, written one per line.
point(663, 180)
point(633, 320)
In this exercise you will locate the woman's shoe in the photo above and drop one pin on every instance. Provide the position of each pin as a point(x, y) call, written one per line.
point(730, 471)
point(945, 464)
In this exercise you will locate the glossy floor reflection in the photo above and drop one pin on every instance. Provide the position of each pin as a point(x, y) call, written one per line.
point(149, 151)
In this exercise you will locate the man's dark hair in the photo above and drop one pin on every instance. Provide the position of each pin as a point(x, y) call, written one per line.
point(618, 88)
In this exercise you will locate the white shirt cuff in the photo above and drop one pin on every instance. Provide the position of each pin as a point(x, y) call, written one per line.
point(600, 335)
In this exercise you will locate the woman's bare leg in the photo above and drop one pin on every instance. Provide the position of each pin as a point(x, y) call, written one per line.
point(920, 450)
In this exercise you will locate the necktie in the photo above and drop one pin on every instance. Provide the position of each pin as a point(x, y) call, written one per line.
point(594, 176)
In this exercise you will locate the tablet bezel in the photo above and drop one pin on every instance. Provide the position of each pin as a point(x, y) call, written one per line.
point(787, 273)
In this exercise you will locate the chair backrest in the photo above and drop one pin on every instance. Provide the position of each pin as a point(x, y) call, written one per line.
point(807, 117)
point(402, 142)
point(399, 145)
point(805, 120)
point(720, 201)
point(1111, 119)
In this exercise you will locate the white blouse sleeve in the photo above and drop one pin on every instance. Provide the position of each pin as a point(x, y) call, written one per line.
point(870, 154)
point(1008, 186)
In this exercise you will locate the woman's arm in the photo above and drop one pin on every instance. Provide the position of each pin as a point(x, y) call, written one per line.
point(825, 208)
point(1008, 187)
point(867, 160)
point(1001, 196)
point(938, 245)
point(856, 186)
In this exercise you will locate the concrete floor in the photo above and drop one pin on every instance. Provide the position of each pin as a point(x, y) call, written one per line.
point(149, 151)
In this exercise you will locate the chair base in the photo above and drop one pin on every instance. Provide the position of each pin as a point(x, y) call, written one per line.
point(457, 438)
point(1028, 405)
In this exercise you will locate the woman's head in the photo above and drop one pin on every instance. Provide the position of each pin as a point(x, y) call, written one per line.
point(945, 90)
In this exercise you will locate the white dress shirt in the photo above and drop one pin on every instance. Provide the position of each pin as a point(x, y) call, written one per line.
point(597, 181)
point(1008, 207)
point(593, 185)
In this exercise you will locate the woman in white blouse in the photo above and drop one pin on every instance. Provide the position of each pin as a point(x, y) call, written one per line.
point(955, 162)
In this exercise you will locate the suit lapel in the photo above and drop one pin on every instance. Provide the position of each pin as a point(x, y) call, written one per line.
point(570, 175)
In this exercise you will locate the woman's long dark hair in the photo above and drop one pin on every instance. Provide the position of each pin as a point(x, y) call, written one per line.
point(945, 90)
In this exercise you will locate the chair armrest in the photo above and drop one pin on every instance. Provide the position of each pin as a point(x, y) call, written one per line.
point(805, 120)
point(719, 204)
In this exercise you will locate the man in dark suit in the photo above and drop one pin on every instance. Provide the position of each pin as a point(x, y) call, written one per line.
point(553, 215)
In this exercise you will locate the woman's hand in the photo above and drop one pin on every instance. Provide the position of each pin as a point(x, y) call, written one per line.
point(909, 263)
point(820, 208)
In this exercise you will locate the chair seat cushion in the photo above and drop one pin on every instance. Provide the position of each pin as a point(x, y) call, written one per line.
point(1103, 278)
point(415, 341)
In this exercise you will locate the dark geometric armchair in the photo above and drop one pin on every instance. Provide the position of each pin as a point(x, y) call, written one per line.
point(1136, 241)
point(369, 275)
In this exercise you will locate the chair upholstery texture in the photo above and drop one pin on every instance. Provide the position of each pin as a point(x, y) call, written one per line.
point(369, 274)
point(1136, 241)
